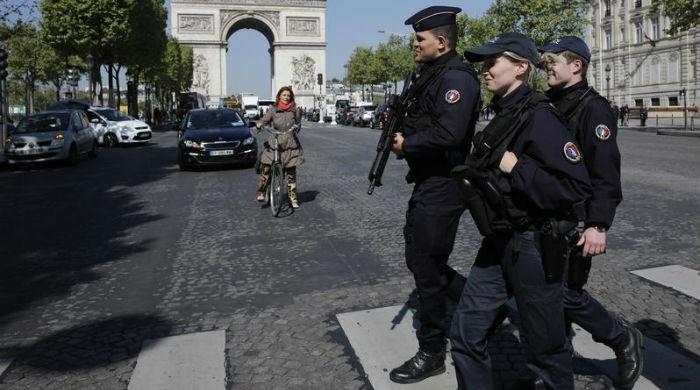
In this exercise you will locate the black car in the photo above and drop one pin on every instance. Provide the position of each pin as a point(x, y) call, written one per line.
point(379, 117)
point(215, 136)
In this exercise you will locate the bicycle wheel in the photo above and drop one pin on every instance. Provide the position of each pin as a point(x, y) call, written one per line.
point(276, 195)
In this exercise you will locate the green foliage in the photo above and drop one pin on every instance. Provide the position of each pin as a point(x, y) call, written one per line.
point(359, 67)
point(541, 20)
point(684, 14)
point(28, 59)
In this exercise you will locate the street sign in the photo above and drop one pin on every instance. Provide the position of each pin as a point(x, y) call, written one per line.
point(17, 110)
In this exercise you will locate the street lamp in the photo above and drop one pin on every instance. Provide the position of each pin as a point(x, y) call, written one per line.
point(73, 78)
point(607, 79)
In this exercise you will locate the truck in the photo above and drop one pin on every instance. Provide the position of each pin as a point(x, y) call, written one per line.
point(249, 102)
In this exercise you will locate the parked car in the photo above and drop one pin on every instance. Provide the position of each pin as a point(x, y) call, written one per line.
point(51, 135)
point(363, 115)
point(115, 127)
point(348, 116)
point(379, 117)
point(215, 136)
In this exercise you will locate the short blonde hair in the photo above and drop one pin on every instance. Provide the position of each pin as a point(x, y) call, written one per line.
point(515, 58)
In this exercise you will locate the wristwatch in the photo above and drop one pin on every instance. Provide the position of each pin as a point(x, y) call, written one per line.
point(600, 229)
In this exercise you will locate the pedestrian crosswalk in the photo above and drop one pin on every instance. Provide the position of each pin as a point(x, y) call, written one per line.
point(190, 361)
point(383, 338)
point(679, 278)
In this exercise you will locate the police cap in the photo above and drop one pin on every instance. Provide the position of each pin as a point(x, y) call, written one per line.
point(569, 43)
point(431, 17)
point(513, 42)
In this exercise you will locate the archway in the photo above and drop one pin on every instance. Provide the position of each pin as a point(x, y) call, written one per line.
point(295, 30)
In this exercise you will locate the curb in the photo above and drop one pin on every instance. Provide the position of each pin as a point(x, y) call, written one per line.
point(679, 133)
point(640, 129)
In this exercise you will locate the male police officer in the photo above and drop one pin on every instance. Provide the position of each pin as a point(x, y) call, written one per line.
point(595, 128)
point(435, 136)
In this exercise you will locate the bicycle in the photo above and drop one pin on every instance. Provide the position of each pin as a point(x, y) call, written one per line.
point(274, 193)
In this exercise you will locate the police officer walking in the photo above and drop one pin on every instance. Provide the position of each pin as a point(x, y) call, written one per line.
point(434, 137)
point(523, 179)
point(594, 125)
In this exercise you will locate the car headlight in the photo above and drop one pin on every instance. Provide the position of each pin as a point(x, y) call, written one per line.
point(191, 144)
point(249, 141)
point(124, 130)
point(58, 140)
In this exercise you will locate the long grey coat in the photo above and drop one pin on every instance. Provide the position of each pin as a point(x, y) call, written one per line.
point(292, 154)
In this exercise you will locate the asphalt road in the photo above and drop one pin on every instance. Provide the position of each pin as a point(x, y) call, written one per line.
point(97, 257)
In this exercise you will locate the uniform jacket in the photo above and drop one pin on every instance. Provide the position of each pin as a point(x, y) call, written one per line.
point(442, 119)
point(292, 154)
point(544, 180)
point(595, 128)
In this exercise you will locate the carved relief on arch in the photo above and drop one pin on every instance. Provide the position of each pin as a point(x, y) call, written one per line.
point(273, 17)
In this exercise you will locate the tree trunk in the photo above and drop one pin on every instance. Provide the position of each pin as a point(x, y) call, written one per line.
point(110, 83)
point(98, 80)
point(363, 91)
point(119, 90)
point(57, 83)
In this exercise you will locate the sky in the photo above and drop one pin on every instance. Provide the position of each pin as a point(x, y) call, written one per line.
point(349, 24)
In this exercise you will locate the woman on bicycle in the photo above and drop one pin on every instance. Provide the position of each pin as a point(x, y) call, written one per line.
point(284, 117)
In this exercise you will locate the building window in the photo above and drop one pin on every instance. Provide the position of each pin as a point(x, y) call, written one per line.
point(655, 28)
point(608, 39)
point(637, 3)
point(673, 100)
point(637, 80)
point(638, 102)
point(607, 8)
point(639, 32)
point(673, 68)
point(622, 34)
point(655, 102)
point(655, 71)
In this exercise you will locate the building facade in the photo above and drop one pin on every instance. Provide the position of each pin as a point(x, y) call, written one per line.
point(634, 61)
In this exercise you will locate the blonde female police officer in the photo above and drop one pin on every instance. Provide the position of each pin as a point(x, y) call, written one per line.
point(435, 136)
point(528, 155)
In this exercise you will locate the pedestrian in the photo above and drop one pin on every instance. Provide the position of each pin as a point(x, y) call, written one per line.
point(594, 126)
point(285, 117)
point(434, 137)
point(527, 176)
point(643, 114)
point(624, 111)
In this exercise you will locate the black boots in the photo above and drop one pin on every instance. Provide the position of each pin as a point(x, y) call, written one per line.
point(629, 359)
point(419, 367)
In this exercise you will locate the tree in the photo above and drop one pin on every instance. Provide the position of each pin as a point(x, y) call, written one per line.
point(27, 61)
point(684, 14)
point(541, 20)
point(396, 58)
point(359, 67)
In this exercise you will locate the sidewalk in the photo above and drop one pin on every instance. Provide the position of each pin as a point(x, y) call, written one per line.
point(663, 128)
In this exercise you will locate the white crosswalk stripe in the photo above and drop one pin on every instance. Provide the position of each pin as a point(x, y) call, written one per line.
point(190, 361)
point(677, 277)
point(381, 343)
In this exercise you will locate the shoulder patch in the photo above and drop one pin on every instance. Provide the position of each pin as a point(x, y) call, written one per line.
point(602, 132)
point(572, 153)
point(452, 96)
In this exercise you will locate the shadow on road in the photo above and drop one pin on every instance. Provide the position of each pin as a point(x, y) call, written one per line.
point(61, 222)
point(95, 344)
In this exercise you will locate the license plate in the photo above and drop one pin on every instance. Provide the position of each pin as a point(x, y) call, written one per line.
point(31, 151)
point(221, 153)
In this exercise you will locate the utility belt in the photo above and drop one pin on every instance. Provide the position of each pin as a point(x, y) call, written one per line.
point(493, 213)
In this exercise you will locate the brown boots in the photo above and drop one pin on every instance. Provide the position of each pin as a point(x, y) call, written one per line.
point(260, 193)
point(293, 196)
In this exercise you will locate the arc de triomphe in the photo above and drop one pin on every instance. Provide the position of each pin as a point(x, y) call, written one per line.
point(295, 29)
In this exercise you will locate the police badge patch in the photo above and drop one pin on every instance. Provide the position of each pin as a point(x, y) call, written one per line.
point(602, 132)
point(452, 96)
point(572, 153)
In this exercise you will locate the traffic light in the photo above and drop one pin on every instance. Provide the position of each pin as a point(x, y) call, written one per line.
point(319, 79)
point(3, 64)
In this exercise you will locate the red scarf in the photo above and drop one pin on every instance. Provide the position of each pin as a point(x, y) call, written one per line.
point(284, 107)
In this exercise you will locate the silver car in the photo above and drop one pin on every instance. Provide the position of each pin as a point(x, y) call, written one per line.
point(51, 135)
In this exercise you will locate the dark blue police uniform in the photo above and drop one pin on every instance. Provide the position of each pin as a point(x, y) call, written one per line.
point(547, 180)
point(437, 130)
point(594, 125)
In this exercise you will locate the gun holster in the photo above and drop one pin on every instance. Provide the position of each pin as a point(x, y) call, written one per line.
point(473, 199)
point(579, 266)
point(555, 247)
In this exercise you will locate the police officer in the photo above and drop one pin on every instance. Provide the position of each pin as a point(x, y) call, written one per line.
point(594, 126)
point(434, 137)
point(527, 174)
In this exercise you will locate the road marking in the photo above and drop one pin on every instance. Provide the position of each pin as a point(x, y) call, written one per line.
point(677, 277)
point(662, 369)
point(381, 344)
point(4, 364)
point(191, 361)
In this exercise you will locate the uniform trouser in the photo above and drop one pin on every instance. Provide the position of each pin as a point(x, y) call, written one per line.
point(587, 312)
point(511, 265)
point(432, 220)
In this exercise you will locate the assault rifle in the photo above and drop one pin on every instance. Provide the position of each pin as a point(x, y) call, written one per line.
point(397, 109)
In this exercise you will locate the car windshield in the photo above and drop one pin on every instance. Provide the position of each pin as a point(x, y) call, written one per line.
point(114, 115)
point(42, 123)
point(214, 119)
point(251, 107)
point(370, 108)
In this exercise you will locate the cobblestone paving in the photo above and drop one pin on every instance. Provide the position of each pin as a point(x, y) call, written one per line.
point(192, 252)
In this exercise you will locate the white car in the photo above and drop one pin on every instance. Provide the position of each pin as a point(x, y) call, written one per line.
point(114, 127)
